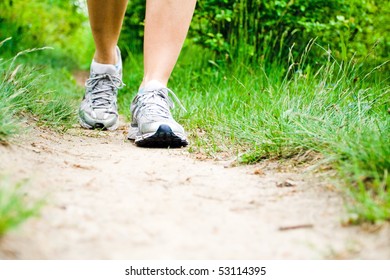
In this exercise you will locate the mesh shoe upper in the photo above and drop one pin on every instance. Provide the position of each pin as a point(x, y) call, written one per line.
point(151, 109)
point(99, 106)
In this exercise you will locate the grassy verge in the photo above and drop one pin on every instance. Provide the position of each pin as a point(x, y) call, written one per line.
point(29, 89)
point(338, 110)
point(33, 89)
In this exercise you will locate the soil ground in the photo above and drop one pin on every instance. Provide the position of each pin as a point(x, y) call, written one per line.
point(107, 199)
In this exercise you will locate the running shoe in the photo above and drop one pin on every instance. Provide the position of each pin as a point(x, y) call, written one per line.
point(99, 108)
point(152, 123)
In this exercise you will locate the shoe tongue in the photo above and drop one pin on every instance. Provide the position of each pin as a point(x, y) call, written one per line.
point(99, 68)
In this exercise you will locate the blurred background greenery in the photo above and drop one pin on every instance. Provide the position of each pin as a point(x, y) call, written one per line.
point(232, 30)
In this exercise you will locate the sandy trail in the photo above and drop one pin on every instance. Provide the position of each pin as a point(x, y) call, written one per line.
point(107, 199)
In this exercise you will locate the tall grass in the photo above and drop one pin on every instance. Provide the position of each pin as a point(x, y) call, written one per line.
point(338, 110)
point(30, 91)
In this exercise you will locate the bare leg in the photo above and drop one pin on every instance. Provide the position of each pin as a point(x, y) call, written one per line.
point(106, 18)
point(166, 26)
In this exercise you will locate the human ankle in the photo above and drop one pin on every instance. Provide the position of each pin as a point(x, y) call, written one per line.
point(106, 58)
point(145, 83)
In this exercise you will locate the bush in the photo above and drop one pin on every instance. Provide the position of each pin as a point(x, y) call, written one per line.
point(133, 27)
point(55, 23)
point(256, 30)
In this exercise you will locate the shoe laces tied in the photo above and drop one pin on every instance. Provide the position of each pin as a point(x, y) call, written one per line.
point(103, 88)
point(156, 103)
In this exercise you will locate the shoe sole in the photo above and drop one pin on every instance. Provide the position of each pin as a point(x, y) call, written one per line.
point(164, 137)
point(99, 125)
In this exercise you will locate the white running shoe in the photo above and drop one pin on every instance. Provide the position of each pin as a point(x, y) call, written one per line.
point(99, 108)
point(152, 122)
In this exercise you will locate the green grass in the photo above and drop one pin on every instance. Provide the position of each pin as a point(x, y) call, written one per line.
point(37, 91)
point(338, 110)
point(14, 208)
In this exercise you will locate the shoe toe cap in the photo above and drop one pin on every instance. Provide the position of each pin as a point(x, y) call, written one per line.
point(154, 126)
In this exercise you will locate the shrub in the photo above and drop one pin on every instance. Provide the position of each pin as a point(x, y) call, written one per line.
point(257, 28)
point(254, 30)
point(55, 23)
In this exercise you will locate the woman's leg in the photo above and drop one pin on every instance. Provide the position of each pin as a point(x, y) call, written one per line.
point(106, 17)
point(98, 109)
point(166, 27)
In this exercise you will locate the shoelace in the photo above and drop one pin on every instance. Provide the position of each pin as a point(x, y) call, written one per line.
point(102, 88)
point(151, 104)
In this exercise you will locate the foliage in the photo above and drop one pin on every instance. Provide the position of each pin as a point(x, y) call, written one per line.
point(24, 91)
point(254, 30)
point(53, 23)
point(133, 27)
point(244, 29)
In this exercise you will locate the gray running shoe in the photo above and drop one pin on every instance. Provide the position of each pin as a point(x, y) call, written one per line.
point(152, 123)
point(98, 108)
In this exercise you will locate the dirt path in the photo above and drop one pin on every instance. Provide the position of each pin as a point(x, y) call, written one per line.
point(107, 199)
